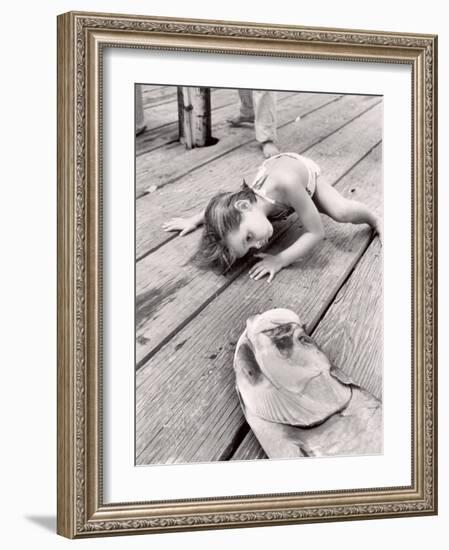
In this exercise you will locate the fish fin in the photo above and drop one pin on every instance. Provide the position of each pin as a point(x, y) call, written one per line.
point(277, 440)
point(285, 408)
point(342, 377)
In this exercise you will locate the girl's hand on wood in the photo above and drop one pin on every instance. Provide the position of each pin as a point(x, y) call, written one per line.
point(268, 265)
point(183, 225)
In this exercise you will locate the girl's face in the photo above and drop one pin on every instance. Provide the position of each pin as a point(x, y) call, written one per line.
point(254, 231)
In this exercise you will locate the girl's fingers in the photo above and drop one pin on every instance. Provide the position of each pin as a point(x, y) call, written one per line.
point(255, 268)
point(173, 225)
point(261, 274)
point(270, 278)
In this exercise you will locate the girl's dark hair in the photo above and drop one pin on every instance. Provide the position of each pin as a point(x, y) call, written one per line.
point(220, 218)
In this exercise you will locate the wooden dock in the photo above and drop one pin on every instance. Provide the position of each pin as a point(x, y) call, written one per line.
point(188, 321)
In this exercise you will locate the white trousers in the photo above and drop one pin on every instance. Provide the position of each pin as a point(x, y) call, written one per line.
point(260, 105)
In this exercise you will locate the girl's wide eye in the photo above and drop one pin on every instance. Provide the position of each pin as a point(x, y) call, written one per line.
point(249, 237)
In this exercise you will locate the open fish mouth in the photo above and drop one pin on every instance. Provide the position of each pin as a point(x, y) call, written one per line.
point(274, 338)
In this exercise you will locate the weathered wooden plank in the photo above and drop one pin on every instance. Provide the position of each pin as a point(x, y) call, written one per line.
point(152, 88)
point(350, 334)
point(163, 166)
point(193, 191)
point(155, 95)
point(156, 137)
point(187, 389)
point(250, 448)
point(165, 279)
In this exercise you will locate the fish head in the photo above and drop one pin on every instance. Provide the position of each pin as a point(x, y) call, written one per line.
point(284, 352)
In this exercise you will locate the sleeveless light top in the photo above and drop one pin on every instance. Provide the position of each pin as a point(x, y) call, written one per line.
point(262, 174)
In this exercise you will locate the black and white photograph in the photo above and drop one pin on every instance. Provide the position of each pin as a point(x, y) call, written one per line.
point(225, 234)
point(258, 276)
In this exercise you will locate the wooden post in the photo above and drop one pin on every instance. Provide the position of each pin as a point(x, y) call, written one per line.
point(194, 112)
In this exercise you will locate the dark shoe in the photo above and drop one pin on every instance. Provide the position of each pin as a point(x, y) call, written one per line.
point(239, 120)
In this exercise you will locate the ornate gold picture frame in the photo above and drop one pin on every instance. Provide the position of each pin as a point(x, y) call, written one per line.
point(83, 510)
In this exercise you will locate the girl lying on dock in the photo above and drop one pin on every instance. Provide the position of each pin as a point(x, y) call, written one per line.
point(236, 222)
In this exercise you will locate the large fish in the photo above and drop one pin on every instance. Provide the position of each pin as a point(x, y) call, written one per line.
point(295, 401)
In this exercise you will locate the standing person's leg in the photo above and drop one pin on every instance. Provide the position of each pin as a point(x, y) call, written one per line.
point(246, 113)
point(266, 121)
point(140, 117)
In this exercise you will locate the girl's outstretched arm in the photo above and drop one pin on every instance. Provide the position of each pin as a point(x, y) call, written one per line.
point(296, 196)
point(308, 214)
point(184, 225)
